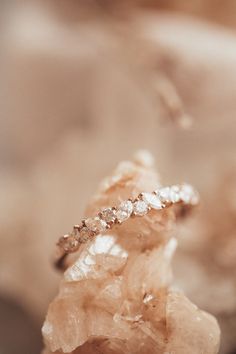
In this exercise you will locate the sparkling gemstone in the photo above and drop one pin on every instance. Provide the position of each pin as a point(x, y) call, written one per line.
point(164, 194)
point(140, 208)
point(188, 195)
point(124, 210)
point(152, 200)
point(174, 194)
point(69, 243)
point(108, 215)
point(96, 224)
point(85, 234)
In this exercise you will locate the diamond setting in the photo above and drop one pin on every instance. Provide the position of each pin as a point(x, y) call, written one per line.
point(124, 211)
point(96, 224)
point(140, 208)
point(108, 215)
point(164, 197)
point(174, 195)
point(69, 243)
point(188, 195)
point(169, 194)
point(164, 194)
point(152, 200)
point(85, 234)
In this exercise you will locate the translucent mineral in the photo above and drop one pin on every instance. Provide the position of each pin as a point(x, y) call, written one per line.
point(116, 295)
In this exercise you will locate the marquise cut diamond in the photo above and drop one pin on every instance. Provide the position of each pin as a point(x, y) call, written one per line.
point(124, 211)
point(164, 194)
point(152, 200)
point(162, 198)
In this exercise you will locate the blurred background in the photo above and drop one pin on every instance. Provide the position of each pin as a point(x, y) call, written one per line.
point(84, 85)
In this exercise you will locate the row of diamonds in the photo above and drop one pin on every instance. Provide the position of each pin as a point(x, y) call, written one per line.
point(140, 206)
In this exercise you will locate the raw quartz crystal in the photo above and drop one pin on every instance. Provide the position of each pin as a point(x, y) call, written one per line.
point(116, 296)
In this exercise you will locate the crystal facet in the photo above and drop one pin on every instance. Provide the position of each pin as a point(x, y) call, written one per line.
point(152, 200)
point(140, 208)
point(124, 210)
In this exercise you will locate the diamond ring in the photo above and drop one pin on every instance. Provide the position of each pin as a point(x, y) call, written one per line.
point(107, 218)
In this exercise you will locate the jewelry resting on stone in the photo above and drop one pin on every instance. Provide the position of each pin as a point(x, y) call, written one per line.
point(160, 199)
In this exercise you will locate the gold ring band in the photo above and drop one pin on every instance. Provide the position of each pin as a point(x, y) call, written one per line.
point(105, 219)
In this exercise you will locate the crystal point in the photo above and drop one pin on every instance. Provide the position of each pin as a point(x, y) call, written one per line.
point(116, 295)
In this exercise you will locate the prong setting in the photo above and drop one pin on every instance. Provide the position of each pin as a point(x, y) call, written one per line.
point(108, 217)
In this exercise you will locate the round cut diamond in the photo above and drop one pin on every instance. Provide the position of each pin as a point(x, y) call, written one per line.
point(108, 215)
point(96, 224)
point(164, 194)
point(188, 195)
point(124, 211)
point(152, 200)
point(140, 208)
point(174, 194)
point(85, 234)
point(69, 243)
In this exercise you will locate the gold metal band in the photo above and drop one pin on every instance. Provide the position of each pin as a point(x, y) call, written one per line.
point(160, 199)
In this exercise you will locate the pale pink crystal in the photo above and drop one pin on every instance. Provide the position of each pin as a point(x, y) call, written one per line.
point(116, 297)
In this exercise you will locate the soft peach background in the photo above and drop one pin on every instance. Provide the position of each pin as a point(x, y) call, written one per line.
point(85, 86)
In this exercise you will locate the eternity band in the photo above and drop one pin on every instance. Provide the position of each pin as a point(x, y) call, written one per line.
point(162, 198)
